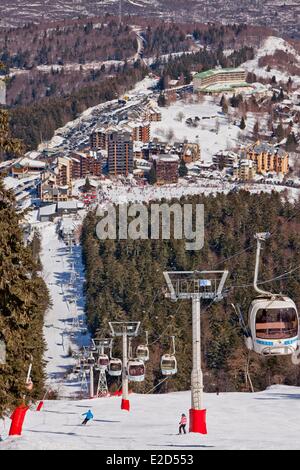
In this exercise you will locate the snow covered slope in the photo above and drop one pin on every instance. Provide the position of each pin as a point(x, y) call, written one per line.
point(268, 48)
point(267, 420)
point(62, 329)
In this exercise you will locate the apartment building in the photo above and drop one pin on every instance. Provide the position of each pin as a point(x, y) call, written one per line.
point(120, 153)
point(166, 168)
point(245, 170)
point(86, 164)
point(268, 158)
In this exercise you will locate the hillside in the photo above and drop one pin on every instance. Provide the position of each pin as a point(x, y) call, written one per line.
point(235, 421)
point(271, 13)
point(124, 280)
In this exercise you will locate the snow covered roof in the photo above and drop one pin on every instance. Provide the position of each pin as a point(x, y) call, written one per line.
point(67, 205)
point(47, 210)
point(30, 163)
point(167, 158)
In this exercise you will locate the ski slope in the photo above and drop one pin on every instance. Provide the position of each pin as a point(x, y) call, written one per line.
point(265, 420)
point(62, 331)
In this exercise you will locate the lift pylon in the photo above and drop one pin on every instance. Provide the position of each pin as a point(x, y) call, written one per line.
point(125, 330)
point(196, 285)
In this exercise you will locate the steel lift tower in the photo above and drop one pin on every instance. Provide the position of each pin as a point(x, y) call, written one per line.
point(196, 286)
point(125, 330)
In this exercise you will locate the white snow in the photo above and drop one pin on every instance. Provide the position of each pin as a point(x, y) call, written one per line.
point(61, 321)
point(266, 420)
point(214, 131)
point(269, 47)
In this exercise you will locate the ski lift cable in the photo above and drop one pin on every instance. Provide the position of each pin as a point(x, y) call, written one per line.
point(159, 383)
point(272, 233)
point(167, 328)
point(281, 276)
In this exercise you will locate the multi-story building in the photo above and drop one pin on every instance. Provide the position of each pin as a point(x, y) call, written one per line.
point(140, 133)
point(120, 153)
point(50, 191)
point(86, 164)
point(56, 182)
point(225, 159)
point(63, 171)
point(24, 167)
point(219, 80)
point(98, 139)
point(245, 170)
point(166, 168)
point(268, 158)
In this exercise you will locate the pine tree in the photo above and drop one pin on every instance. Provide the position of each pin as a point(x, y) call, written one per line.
point(183, 171)
point(242, 123)
point(23, 299)
point(152, 175)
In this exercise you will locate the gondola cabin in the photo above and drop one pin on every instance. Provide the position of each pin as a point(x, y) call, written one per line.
point(91, 360)
point(103, 361)
point(142, 353)
point(168, 365)
point(274, 326)
point(136, 370)
point(115, 368)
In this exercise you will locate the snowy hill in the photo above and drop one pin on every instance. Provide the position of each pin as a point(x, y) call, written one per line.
point(269, 47)
point(267, 420)
point(64, 327)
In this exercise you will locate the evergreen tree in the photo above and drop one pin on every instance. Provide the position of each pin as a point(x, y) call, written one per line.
point(242, 123)
point(162, 100)
point(152, 175)
point(23, 299)
point(183, 171)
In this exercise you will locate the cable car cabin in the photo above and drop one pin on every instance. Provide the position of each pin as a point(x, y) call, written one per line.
point(115, 368)
point(103, 361)
point(168, 365)
point(136, 370)
point(91, 360)
point(76, 369)
point(274, 326)
point(142, 353)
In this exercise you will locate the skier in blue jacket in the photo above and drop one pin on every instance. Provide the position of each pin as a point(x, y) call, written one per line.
point(88, 417)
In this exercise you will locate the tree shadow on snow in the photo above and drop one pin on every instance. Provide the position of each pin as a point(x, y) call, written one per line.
point(280, 396)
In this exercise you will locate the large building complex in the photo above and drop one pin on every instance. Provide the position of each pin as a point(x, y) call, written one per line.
point(220, 80)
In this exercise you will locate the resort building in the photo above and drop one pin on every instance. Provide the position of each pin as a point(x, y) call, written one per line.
point(221, 80)
point(268, 158)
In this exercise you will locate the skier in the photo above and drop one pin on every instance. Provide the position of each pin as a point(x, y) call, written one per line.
point(88, 417)
point(182, 424)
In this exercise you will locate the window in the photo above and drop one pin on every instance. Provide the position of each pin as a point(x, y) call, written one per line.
point(276, 323)
point(136, 371)
point(168, 364)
